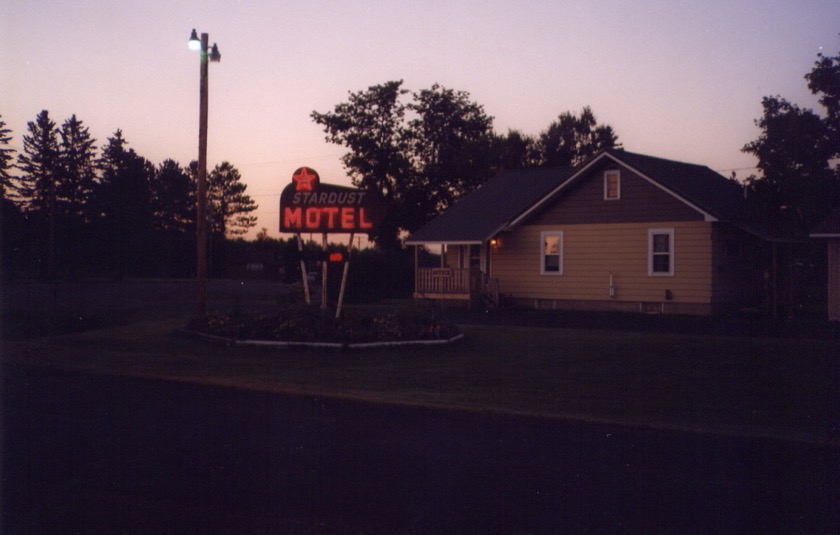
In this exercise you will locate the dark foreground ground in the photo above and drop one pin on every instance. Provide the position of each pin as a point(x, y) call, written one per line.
point(98, 454)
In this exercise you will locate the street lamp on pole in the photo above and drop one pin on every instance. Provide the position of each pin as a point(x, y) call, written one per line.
point(206, 54)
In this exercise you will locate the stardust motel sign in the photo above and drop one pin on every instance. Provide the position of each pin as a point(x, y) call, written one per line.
point(307, 205)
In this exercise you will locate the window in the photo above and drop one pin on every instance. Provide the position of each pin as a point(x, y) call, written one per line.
point(552, 253)
point(661, 252)
point(475, 256)
point(612, 185)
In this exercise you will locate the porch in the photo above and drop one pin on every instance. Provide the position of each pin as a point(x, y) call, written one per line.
point(467, 284)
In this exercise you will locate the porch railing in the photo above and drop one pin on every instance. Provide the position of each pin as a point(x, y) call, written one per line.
point(454, 281)
point(457, 283)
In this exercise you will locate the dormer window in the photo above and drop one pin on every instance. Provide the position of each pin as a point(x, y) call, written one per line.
point(612, 185)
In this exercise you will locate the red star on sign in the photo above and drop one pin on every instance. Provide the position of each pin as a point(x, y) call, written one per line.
point(304, 179)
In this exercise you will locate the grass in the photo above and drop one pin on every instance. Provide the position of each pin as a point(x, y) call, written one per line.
point(758, 387)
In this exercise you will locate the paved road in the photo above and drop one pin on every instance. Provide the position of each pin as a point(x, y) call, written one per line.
point(96, 454)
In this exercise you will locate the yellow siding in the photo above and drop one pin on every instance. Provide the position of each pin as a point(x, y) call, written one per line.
point(592, 252)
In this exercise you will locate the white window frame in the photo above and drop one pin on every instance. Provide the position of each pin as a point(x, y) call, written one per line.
point(607, 174)
point(651, 253)
point(543, 236)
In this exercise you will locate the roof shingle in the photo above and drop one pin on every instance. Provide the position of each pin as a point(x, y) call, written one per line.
point(511, 194)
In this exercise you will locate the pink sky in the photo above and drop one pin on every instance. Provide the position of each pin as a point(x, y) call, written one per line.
point(675, 79)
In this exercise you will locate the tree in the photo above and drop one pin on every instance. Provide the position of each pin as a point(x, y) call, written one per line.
point(824, 80)
point(420, 166)
point(515, 150)
point(371, 125)
point(572, 139)
point(173, 198)
point(447, 149)
point(5, 160)
point(36, 188)
point(12, 227)
point(230, 207)
point(450, 137)
point(123, 206)
point(798, 186)
point(76, 173)
point(38, 163)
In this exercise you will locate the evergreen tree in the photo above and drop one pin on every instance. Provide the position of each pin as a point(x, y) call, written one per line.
point(173, 198)
point(76, 169)
point(123, 205)
point(5, 160)
point(12, 228)
point(39, 166)
point(229, 206)
point(36, 187)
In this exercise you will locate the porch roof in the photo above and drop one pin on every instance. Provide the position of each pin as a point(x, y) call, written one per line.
point(482, 214)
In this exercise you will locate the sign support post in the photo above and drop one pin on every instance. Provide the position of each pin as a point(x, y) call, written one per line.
point(344, 278)
point(324, 273)
point(307, 205)
point(303, 269)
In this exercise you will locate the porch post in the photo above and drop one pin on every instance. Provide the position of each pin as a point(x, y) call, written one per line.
point(416, 269)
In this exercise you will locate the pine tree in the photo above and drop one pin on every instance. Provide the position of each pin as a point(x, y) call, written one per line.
point(173, 198)
point(38, 163)
point(35, 188)
point(76, 169)
point(5, 160)
point(230, 207)
point(123, 205)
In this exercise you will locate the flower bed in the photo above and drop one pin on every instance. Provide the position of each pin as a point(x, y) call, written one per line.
point(309, 325)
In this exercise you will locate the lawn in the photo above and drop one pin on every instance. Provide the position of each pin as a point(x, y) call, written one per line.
point(760, 387)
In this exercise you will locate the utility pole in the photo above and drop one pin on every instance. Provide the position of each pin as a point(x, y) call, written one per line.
point(206, 55)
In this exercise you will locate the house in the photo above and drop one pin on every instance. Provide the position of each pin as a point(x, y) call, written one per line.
point(829, 230)
point(620, 232)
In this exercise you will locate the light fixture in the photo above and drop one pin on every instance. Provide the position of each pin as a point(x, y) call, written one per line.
point(194, 43)
point(214, 54)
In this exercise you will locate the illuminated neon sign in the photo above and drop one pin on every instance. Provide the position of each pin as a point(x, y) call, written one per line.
point(307, 205)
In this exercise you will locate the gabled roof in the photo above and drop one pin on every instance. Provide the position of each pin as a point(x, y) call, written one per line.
point(480, 215)
point(511, 197)
point(694, 184)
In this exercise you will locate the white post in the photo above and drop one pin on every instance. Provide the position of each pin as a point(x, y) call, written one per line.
point(344, 278)
point(303, 270)
point(324, 264)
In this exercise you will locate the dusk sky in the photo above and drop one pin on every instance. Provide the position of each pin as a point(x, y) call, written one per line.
point(675, 79)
